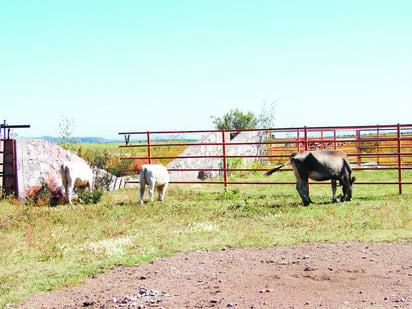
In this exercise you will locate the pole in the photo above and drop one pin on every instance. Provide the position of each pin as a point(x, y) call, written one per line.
point(224, 158)
point(305, 130)
point(399, 158)
point(358, 146)
point(148, 148)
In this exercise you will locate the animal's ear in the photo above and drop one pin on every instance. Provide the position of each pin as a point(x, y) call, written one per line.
point(353, 180)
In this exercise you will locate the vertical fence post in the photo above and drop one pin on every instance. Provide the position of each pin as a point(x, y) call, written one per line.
point(298, 141)
point(305, 130)
point(335, 144)
point(321, 138)
point(148, 148)
point(399, 158)
point(379, 144)
point(224, 158)
point(16, 183)
point(358, 146)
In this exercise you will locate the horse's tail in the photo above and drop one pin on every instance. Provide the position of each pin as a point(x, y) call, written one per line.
point(270, 172)
point(143, 172)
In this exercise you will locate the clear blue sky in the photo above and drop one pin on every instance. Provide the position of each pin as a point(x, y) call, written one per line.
point(115, 66)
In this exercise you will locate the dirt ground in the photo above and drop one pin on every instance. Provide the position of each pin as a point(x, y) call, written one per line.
point(344, 275)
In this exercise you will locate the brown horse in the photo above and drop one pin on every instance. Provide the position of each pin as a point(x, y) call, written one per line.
point(320, 165)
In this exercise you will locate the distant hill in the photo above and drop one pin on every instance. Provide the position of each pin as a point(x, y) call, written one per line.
point(101, 140)
point(82, 140)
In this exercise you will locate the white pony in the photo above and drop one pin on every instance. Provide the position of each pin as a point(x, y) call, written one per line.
point(76, 174)
point(156, 176)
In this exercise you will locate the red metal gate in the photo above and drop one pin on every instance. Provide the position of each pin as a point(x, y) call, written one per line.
point(8, 167)
point(377, 147)
point(8, 161)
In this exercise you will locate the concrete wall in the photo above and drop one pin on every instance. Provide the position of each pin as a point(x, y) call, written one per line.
point(39, 161)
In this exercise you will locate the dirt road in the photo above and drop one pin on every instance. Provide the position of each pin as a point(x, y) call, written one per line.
point(344, 275)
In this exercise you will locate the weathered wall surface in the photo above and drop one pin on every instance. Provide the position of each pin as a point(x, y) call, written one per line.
point(205, 151)
point(39, 161)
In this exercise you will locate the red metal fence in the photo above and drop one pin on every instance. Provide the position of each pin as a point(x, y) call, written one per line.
point(378, 147)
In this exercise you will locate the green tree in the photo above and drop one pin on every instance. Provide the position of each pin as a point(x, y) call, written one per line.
point(235, 120)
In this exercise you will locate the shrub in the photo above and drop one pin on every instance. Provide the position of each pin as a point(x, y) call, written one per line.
point(47, 193)
point(90, 197)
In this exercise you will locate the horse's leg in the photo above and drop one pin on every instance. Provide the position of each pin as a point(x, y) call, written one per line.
point(162, 191)
point(303, 190)
point(333, 182)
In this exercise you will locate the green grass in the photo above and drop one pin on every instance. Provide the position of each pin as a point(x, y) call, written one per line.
point(44, 248)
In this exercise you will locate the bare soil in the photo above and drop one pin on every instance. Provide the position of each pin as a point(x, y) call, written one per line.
point(321, 275)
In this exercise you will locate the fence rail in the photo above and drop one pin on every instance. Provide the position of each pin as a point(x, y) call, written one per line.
point(374, 147)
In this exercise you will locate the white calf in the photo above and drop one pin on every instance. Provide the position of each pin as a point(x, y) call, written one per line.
point(76, 174)
point(156, 176)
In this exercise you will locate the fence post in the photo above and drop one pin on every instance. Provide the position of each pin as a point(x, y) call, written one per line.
point(224, 158)
point(148, 148)
point(305, 130)
point(321, 138)
point(378, 134)
point(358, 146)
point(399, 158)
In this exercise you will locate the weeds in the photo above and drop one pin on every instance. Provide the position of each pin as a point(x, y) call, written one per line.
point(90, 197)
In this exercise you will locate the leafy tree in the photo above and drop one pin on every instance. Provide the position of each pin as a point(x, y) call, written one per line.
point(235, 120)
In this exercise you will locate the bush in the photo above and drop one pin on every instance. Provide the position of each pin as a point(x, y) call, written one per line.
point(90, 197)
point(105, 160)
point(48, 193)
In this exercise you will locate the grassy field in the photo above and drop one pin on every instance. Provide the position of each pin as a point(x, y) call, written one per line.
point(44, 248)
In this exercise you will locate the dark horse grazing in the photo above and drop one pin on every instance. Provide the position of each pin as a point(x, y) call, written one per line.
point(320, 165)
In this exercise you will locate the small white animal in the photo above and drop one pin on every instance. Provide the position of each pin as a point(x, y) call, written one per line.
point(156, 176)
point(76, 174)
